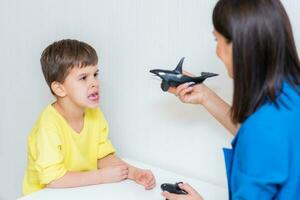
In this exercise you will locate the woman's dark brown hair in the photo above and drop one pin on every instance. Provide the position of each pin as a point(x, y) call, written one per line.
point(264, 51)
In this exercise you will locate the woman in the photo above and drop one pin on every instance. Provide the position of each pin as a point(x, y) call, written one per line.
point(256, 44)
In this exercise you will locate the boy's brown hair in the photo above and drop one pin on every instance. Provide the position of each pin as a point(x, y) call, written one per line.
point(60, 57)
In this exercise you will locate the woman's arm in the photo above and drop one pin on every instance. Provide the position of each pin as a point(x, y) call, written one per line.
point(201, 94)
point(220, 110)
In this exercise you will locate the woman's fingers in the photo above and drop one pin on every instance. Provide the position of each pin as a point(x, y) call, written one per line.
point(186, 187)
point(171, 196)
point(182, 87)
point(176, 90)
point(185, 94)
point(172, 90)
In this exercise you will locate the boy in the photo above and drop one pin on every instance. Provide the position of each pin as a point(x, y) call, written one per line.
point(69, 145)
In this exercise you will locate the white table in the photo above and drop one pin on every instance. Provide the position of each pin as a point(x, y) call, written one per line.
point(129, 190)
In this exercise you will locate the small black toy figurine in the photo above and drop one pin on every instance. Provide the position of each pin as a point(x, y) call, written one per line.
point(172, 188)
point(175, 77)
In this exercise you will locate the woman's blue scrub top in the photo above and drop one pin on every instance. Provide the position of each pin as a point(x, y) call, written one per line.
point(264, 162)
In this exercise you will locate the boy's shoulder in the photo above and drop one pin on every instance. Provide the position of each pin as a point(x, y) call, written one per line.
point(52, 116)
point(50, 119)
point(49, 115)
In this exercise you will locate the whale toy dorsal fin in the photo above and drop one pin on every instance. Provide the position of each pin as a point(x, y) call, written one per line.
point(178, 68)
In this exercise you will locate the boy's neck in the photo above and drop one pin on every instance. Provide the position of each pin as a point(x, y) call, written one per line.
point(69, 111)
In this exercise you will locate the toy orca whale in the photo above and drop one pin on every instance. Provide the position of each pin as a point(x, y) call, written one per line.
point(175, 77)
point(172, 188)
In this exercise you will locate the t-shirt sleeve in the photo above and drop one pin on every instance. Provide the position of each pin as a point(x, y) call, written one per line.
point(260, 162)
point(49, 158)
point(105, 146)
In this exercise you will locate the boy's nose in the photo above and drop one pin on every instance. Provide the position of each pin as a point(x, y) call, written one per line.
point(95, 83)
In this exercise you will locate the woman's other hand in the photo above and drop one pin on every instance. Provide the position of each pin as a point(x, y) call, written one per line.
point(192, 194)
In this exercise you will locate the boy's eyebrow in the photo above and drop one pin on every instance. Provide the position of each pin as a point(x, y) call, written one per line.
point(82, 75)
point(85, 74)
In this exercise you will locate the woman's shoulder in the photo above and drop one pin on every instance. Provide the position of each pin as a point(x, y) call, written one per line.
point(285, 108)
point(274, 121)
point(263, 134)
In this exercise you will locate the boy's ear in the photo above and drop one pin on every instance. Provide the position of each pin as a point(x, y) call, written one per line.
point(58, 89)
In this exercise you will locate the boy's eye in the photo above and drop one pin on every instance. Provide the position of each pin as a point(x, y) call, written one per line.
point(96, 74)
point(83, 78)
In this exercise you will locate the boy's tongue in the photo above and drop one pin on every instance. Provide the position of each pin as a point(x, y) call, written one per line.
point(93, 96)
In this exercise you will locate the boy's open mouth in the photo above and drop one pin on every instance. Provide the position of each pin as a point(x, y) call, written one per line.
point(94, 96)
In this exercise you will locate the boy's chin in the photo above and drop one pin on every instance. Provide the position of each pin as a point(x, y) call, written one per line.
point(94, 105)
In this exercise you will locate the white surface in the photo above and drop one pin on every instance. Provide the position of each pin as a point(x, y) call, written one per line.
point(131, 37)
point(129, 190)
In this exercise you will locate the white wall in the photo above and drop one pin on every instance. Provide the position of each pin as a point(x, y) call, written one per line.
point(131, 37)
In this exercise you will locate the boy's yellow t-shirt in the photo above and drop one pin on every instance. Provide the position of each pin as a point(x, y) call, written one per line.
point(54, 148)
